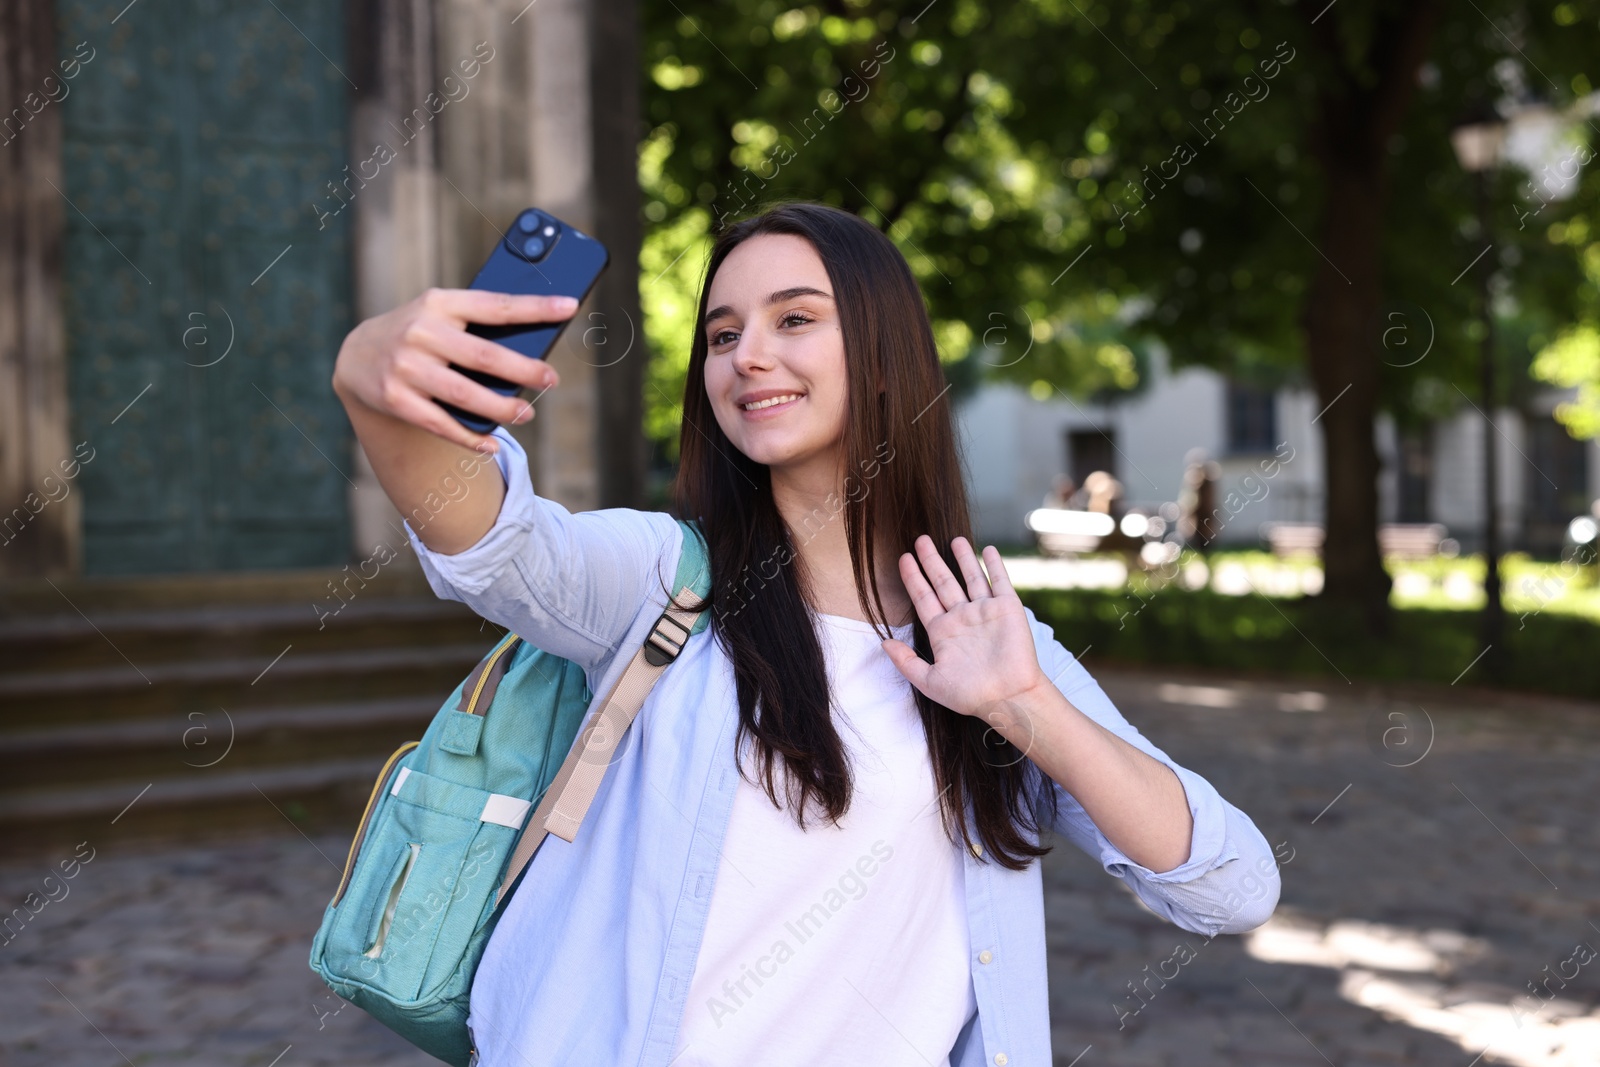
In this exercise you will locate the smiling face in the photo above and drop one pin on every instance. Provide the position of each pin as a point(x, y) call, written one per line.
point(774, 339)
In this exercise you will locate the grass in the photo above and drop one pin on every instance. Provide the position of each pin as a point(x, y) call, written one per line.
point(1527, 585)
point(1551, 639)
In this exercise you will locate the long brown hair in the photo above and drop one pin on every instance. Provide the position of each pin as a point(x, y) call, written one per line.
point(904, 477)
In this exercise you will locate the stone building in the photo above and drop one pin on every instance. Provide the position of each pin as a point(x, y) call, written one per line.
point(209, 615)
point(198, 201)
point(1429, 475)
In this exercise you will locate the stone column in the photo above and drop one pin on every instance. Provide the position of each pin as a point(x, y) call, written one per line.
point(562, 126)
point(553, 122)
point(549, 118)
point(396, 227)
point(39, 519)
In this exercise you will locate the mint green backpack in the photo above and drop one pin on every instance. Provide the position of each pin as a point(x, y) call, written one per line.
point(452, 822)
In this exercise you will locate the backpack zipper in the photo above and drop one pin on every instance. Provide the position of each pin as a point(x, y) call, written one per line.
point(366, 817)
point(483, 676)
point(388, 768)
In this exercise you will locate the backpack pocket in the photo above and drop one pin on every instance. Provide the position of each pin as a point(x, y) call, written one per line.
point(434, 850)
point(383, 918)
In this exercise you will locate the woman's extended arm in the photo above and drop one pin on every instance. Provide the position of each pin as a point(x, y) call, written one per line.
point(571, 584)
point(390, 369)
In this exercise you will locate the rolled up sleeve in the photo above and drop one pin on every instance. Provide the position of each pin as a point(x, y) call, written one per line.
point(569, 583)
point(1230, 882)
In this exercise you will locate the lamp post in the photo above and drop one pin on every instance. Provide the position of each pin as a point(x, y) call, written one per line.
point(1477, 146)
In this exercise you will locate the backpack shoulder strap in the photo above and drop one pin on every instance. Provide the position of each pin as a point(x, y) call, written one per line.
point(694, 569)
point(565, 803)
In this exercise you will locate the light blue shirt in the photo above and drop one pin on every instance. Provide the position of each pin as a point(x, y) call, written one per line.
point(592, 959)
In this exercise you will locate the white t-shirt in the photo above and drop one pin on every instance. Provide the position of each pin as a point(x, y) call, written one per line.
point(838, 940)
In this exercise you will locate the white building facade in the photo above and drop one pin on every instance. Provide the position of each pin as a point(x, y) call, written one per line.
point(1269, 449)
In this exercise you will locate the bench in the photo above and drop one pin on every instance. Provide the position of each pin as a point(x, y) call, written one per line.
point(1292, 538)
point(1400, 540)
point(1419, 540)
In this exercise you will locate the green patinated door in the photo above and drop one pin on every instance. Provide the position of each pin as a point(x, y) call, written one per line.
point(204, 305)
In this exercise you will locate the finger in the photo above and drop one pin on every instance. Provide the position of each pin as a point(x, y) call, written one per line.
point(944, 582)
point(420, 410)
point(923, 598)
point(905, 658)
point(456, 345)
point(453, 387)
point(999, 580)
point(496, 309)
point(971, 570)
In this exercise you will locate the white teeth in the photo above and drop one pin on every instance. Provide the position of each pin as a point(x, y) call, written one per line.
point(772, 401)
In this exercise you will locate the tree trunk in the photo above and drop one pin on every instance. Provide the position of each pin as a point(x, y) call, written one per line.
point(1341, 310)
point(1357, 115)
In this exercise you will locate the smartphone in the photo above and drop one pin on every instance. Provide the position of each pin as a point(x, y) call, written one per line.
point(539, 255)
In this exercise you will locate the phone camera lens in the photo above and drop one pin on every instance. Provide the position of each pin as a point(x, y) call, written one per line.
point(532, 235)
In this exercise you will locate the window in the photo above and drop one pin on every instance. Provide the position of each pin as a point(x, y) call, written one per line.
point(1252, 418)
point(1415, 475)
point(1555, 482)
point(1089, 451)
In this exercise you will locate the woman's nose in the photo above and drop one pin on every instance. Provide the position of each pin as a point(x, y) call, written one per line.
point(752, 352)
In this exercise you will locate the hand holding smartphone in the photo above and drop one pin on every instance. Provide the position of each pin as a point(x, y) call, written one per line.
point(539, 255)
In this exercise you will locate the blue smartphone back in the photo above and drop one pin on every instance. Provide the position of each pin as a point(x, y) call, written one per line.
point(538, 255)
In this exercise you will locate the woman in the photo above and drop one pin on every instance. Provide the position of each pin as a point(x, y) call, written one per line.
point(859, 880)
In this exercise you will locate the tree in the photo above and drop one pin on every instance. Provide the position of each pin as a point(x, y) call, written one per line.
point(1574, 362)
point(1265, 186)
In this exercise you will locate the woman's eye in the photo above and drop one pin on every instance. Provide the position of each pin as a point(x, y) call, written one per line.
point(722, 337)
point(794, 316)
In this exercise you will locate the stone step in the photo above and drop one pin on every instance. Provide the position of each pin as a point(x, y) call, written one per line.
point(207, 705)
point(155, 635)
point(30, 598)
point(191, 745)
point(35, 699)
point(314, 796)
point(112, 798)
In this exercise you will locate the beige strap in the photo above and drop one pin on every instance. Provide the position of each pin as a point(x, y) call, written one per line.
point(565, 803)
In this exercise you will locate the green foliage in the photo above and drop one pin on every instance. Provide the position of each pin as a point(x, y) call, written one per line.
point(1071, 179)
point(671, 262)
point(1549, 653)
point(1573, 360)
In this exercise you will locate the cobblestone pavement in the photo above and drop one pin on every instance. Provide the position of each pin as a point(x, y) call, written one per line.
point(1435, 875)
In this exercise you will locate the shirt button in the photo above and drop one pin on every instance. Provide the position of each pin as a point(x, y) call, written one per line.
point(1000, 1058)
point(985, 956)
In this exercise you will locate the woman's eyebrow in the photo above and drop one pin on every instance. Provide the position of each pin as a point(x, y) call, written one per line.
point(776, 298)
